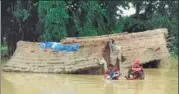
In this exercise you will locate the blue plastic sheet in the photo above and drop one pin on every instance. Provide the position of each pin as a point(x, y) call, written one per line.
point(73, 47)
point(59, 46)
point(43, 46)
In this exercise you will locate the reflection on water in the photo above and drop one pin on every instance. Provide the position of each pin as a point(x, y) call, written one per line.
point(156, 82)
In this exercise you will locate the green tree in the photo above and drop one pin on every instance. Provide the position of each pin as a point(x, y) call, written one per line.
point(18, 23)
point(55, 20)
point(156, 14)
point(53, 17)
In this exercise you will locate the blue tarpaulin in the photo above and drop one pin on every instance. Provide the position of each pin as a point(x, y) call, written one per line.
point(59, 46)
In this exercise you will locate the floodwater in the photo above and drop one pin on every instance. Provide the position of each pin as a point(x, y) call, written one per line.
point(157, 81)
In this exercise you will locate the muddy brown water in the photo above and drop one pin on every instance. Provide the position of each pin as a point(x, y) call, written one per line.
point(157, 81)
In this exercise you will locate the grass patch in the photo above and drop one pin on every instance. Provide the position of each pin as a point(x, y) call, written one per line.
point(174, 62)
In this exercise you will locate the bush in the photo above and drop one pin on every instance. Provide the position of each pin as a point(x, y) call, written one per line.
point(4, 49)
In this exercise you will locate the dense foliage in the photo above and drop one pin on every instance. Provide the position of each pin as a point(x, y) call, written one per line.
point(55, 20)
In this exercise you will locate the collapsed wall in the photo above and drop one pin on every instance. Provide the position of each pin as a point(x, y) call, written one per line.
point(94, 53)
point(29, 58)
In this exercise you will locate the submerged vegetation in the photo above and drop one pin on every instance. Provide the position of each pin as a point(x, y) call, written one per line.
point(174, 62)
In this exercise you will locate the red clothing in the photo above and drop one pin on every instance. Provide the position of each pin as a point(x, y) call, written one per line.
point(115, 69)
point(136, 65)
point(139, 68)
point(136, 71)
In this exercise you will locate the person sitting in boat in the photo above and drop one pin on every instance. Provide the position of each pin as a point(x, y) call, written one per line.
point(136, 71)
point(112, 72)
